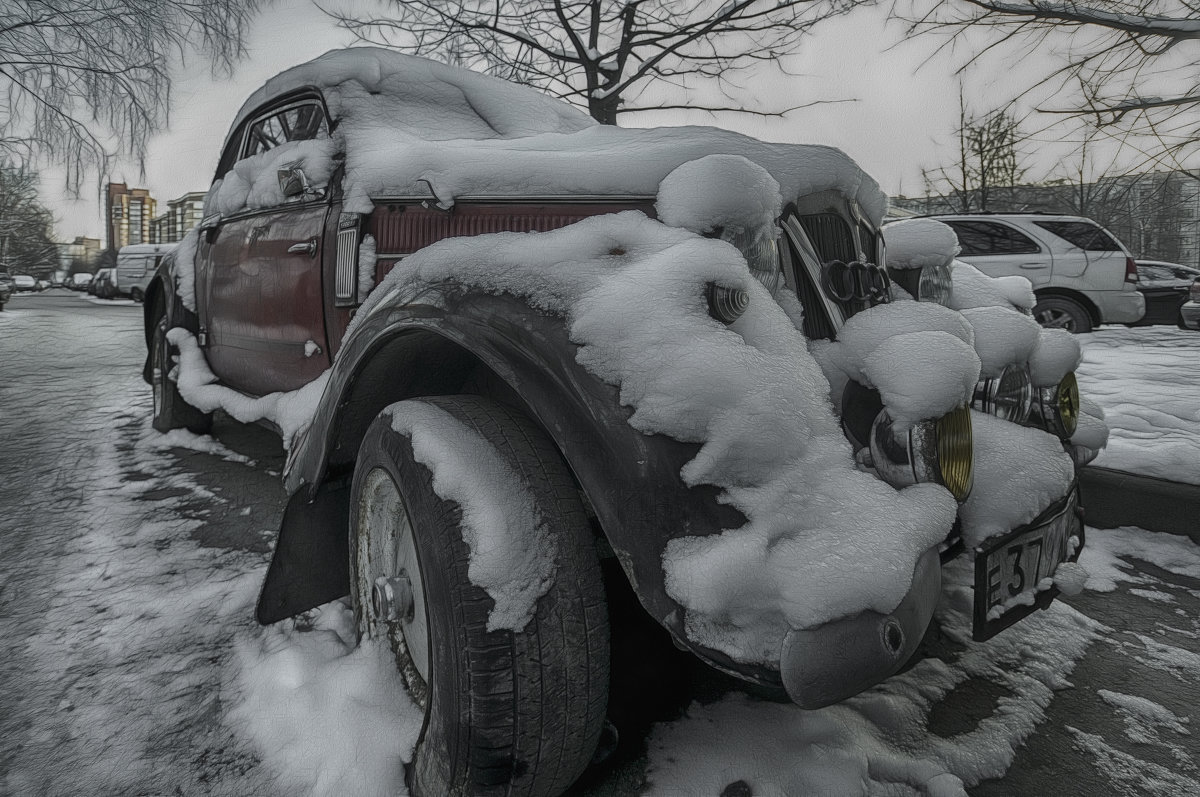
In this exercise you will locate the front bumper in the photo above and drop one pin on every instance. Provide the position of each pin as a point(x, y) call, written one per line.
point(823, 665)
point(1189, 315)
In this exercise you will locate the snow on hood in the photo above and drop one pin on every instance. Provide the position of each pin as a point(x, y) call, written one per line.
point(411, 127)
point(822, 539)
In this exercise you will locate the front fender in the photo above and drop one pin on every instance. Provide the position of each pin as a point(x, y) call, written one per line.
point(440, 345)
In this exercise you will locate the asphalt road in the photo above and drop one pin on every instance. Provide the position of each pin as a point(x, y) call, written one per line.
point(130, 565)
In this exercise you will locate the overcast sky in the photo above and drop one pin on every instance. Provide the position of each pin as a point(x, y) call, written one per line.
point(902, 118)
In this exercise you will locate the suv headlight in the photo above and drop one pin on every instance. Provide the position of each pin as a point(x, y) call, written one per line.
point(1058, 407)
point(940, 451)
point(761, 250)
point(1008, 397)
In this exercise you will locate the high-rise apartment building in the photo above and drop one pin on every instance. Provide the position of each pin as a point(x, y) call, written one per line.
point(182, 215)
point(129, 215)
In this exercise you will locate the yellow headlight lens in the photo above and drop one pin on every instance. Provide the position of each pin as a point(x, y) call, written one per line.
point(1067, 400)
point(956, 455)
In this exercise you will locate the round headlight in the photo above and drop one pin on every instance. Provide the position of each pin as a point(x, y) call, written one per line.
point(935, 284)
point(1008, 397)
point(940, 451)
point(1058, 407)
point(761, 251)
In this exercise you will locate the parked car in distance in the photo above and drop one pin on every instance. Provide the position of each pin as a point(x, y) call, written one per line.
point(102, 287)
point(1082, 275)
point(136, 264)
point(1189, 313)
point(1166, 287)
point(23, 283)
point(6, 288)
point(79, 281)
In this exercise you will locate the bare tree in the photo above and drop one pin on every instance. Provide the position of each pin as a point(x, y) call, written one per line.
point(82, 80)
point(1130, 66)
point(988, 162)
point(602, 54)
point(26, 226)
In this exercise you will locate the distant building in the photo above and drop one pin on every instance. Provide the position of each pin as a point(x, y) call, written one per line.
point(79, 255)
point(182, 215)
point(129, 212)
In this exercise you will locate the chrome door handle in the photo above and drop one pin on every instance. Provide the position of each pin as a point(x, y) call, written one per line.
point(1033, 265)
point(308, 247)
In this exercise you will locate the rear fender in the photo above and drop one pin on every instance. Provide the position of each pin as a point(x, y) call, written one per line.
point(455, 342)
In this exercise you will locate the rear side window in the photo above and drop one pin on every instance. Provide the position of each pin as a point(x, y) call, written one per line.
point(297, 123)
point(1084, 234)
point(992, 238)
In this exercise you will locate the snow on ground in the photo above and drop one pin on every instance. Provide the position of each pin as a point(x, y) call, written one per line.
point(1147, 379)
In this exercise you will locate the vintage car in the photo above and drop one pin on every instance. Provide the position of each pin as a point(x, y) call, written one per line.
point(504, 344)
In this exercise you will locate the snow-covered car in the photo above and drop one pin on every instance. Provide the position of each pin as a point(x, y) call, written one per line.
point(503, 342)
point(24, 283)
point(80, 281)
point(1082, 275)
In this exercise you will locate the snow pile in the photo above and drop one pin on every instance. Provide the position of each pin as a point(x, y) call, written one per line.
point(1057, 354)
point(881, 742)
point(719, 191)
point(513, 555)
point(327, 716)
point(291, 412)
point(917, 243)
point(823, 540)
point(1002, 337)
point(254, 182)
point(973, 288)
point(1105, 547)
point(1146, 379)
point(366, 267)
point(183, 268)
point(918, 355)
point(1019, 472)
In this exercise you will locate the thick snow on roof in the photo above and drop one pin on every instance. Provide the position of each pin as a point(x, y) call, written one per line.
point(409, 126)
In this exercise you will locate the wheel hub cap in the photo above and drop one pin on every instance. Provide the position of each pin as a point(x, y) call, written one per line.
point(392, 598)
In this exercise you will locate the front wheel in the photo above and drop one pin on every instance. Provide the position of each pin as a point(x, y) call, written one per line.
point(136, 295)
point(1059, 312)
point(170, 410)
point(499, 627)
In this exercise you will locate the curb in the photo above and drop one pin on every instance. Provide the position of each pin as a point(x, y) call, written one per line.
point(1114, 498)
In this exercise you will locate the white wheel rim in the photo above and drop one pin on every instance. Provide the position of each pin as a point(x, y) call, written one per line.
point(386, 548)
point(1056, 319)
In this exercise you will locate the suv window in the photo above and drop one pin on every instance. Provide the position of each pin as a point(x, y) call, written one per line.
point(296, 123)
point(991, 238)
point(1085, 235)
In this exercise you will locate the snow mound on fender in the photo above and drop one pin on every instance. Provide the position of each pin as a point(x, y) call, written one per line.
point(1057, 354)
point(726, 191)
point(1002, 337)
point(822, 539)
point(513, 555)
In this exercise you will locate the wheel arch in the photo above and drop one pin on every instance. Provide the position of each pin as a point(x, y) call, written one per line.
point(1079, 298)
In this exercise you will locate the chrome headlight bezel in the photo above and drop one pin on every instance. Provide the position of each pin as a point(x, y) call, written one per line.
point(935, 284)
point(939, 451)
point(1009, 397)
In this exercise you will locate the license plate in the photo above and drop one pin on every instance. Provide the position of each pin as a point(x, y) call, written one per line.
point(1014, 574)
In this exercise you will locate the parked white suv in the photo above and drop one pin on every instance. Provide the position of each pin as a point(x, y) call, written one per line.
point(1082, 275)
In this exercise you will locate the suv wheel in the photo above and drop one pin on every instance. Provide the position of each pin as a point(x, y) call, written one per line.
point(1059, 312)
point(136, 295)
point(170, 410)
point(506, 712)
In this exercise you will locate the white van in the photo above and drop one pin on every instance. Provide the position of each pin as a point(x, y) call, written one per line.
point(135, 267)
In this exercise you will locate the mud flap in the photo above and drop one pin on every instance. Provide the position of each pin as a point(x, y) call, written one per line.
point(311, 563)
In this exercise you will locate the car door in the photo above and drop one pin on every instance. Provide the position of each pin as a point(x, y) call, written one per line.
point(1164, 292)
point(260, 270)
point(1001, 250)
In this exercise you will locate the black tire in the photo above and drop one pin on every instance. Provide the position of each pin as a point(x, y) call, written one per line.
point(1059, 312)
point(506, 713)
point(170, 410)
point(136, 295)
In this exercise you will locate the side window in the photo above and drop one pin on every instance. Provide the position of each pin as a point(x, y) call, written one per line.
point(992, 238)
point(301, 122)
point(1084, 234)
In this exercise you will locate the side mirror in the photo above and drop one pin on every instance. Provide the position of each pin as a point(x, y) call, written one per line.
point(293, 182)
